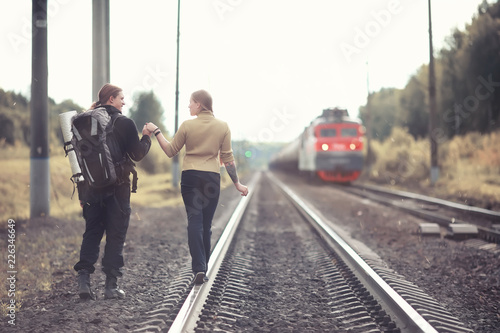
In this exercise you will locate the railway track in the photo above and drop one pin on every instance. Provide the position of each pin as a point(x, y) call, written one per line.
point(457, 220)
point(272, 270)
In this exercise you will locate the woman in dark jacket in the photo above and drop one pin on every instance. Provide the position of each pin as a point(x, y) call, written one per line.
point(109, 210)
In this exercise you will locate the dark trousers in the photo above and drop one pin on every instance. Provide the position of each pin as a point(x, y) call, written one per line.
point(200, 192)
point(110, 214)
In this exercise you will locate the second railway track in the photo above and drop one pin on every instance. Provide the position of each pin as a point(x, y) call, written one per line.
point(453, 217)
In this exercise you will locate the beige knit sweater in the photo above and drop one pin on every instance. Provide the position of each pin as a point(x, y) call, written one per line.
point(205, 137)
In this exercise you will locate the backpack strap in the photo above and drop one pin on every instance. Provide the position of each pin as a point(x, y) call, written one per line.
point(126, 165)
point(134, 180)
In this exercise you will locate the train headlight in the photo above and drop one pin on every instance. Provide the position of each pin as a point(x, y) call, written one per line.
point(324, 146)
point(352, 146)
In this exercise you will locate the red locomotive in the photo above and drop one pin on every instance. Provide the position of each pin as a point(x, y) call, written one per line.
point(330, 147)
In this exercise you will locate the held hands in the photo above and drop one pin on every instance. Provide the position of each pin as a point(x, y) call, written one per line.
point(145, 131)
point(149, 129)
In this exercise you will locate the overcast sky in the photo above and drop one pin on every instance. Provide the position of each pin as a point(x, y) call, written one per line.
point(271, 66)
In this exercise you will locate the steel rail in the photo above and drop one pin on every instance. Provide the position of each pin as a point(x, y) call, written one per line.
point(187, 316)
point(488, 234)
point(457, 206)
point(412, 320)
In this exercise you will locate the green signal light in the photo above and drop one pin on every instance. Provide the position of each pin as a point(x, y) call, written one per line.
point(248, 154)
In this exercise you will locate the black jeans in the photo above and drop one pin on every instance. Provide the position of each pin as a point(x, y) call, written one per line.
point(110, 214)
point(200, 192)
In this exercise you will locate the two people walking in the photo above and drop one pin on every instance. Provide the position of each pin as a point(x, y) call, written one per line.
point(208, 145)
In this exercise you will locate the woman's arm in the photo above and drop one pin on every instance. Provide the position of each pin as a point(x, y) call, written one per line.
point(165, 145)
point(231, 171)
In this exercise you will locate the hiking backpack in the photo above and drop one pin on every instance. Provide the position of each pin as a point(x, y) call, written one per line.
point(99, 155)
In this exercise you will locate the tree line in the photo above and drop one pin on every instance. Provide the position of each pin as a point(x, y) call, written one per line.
point(15, 128)
point(467, 85)
point(15, 116)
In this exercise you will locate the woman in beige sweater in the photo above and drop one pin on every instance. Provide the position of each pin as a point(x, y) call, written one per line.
point(208, 145)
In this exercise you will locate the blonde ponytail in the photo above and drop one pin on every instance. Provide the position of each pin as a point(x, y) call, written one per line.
point(204, 98)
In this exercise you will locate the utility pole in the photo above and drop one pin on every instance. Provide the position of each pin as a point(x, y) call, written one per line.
point(432, 107)
point(39, 140)
point(175, 162)
point(100, 46)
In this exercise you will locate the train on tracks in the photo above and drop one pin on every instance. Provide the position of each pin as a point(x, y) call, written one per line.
point(331, 147)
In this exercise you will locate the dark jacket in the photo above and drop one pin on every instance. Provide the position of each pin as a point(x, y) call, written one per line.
point(126, 131)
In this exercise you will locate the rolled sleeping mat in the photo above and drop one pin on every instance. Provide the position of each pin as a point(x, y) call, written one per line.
point(65, 121)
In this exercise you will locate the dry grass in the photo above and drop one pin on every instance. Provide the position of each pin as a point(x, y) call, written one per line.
point(153, 190)
point(14, 185)
point(469, 167)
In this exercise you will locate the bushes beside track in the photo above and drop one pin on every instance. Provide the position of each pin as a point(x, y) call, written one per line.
point(469, 167)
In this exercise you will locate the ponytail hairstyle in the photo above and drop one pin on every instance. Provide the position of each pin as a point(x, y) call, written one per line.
point(105, 93)
point(204, 98)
